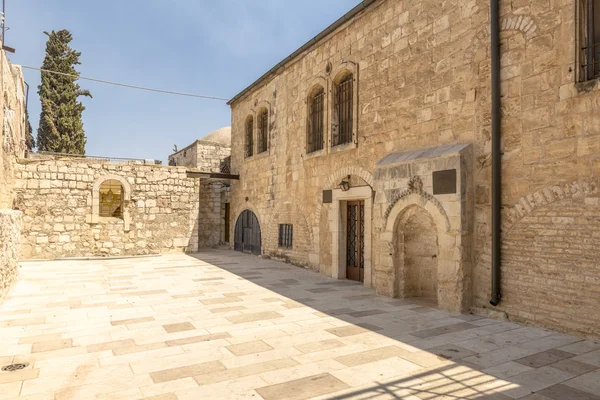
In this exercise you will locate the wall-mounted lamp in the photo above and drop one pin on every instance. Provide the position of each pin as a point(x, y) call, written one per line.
point(345, 184)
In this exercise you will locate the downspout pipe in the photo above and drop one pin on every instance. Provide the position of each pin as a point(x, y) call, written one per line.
point(496, 151)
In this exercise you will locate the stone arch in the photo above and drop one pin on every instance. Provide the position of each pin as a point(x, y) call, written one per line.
point(299, 217)
point(549, 239)
point(336, 177)
point(256, 235)
point(529, 203)
point(415, 188)
point(450, 272)
point(94, 217)
point(260, 229)
point(301, 211)
point(521, 23)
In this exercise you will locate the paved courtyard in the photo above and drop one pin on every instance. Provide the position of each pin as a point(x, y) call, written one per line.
point(224, 325)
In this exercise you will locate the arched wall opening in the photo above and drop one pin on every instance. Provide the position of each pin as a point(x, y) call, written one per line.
point(416, 252)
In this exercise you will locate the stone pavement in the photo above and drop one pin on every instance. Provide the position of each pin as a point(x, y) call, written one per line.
point(225, 325)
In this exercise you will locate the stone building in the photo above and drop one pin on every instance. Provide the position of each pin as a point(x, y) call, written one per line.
point(12, 146)
point(210, 155)
point(367, 155)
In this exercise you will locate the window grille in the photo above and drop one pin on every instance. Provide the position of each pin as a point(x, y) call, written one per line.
point(315, 121)
point(249, 137)
point(111, 199)
point(342, 112)
point(286, 235)
point(263, 131)
point(589, 39)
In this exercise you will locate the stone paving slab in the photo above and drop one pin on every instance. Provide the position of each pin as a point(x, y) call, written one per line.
point(225, 325)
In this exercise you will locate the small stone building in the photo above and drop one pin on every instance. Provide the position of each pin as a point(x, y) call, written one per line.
point(210, 155)
point(366, 155)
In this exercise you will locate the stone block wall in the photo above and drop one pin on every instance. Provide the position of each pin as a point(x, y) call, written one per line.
point(12, 117)
point(12, 146)
point(160, 213)
point(10, 241)
point(203, 155)
point(211, 156)
point(422, 69)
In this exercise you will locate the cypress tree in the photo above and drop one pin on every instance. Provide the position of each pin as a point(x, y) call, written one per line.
point(29, 140)
point(61, 127)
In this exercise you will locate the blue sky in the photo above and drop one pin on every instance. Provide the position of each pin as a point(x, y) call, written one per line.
point(209, 47)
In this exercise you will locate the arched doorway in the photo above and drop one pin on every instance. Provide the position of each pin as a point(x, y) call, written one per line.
point(417, 251)
point(247, 237)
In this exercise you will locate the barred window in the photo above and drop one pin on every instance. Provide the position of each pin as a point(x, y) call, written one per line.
point(315, 120)
point(111, 199)
point(263, 131)
point(589, 39)
point(342, 112)
point(286, 235)
point(249, 137)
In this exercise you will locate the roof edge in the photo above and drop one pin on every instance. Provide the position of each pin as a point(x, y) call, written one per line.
point(350, 14)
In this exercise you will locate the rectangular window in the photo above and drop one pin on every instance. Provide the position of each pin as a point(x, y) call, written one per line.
point(263, 131)
point(286, 235)
point(589, 39)
point(315, 121)
point(342, 113)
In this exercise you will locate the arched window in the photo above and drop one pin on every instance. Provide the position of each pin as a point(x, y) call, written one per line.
point(315, 120)
point(263, 130)
point(249, 136)
point(342, 111)
point(111, 199)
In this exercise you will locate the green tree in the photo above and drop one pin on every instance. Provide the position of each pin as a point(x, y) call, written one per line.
point(29, 140)
point(61, 127)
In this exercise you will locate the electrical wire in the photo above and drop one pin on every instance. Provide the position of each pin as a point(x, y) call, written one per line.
point(126, 85)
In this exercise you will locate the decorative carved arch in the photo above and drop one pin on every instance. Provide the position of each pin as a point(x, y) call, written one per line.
point(529, 203)
point(94, 217)
point(415, 187)
point(421, 199)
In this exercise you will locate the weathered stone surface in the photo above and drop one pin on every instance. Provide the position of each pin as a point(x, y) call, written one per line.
point(423, 79)
point(60, 221)
point(10, 241)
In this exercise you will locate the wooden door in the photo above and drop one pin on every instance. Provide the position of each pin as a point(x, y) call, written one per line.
point(247, 236)
point(355, 240)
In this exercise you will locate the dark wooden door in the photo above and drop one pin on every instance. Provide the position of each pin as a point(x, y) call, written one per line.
point(247, 237)
point(355, 241)
point(227, 216)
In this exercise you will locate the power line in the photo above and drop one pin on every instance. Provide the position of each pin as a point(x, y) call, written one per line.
point(126, 85)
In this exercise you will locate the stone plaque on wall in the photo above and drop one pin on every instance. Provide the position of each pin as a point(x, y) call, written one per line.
point(327, 196)
point(444, 182)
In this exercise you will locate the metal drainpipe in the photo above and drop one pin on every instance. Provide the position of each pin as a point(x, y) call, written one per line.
point(496, 151)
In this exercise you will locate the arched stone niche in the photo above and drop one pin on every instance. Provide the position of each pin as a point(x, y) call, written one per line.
point(423, 225)
point(94, 216)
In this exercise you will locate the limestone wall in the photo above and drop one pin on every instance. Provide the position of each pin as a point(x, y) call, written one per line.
point(422, 71)
point(10, 240)
point(159, 215)
point(12, 117)
point(203, 155)
point(12, 146)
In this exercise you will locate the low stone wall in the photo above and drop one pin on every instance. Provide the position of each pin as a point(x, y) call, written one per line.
point(10, 241)
point(60, 203)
